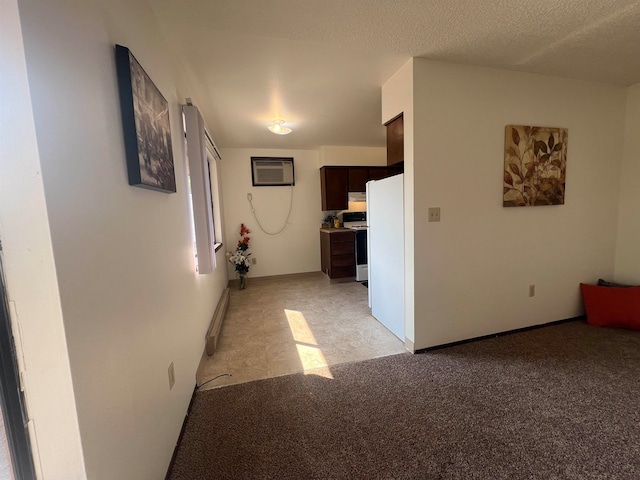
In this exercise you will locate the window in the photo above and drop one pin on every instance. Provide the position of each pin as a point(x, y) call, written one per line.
point(213, 159)
point(202, 170)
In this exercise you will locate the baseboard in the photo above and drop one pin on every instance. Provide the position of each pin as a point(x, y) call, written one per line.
point(275, 278)
point(216, 322)
point(500, 334)
point(409, 345)
point(184, 425)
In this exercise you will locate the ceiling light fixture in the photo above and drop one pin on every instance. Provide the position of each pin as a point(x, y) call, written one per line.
point(278, 128)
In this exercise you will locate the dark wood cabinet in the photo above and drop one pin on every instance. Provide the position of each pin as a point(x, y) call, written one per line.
point(337, 254)
point(334, 187)
point(396, 169)
point(378, 173)
point(395, 140)
point(337, 181)
point(358, 178)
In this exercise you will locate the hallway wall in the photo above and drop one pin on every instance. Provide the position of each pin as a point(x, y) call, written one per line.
point(131, 300)
point(30, 272)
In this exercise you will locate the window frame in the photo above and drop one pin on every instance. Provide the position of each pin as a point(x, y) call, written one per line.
point(205, 199)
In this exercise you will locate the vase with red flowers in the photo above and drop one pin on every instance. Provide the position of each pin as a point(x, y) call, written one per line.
point(240, 259)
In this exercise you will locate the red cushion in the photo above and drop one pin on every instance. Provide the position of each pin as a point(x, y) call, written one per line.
point(612, 307)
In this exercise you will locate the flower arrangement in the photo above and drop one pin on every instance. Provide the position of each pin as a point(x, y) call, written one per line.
point(240, 258)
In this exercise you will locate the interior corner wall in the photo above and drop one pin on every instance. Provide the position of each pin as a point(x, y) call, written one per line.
point(352, 156)
point(131, 300)
point(628, 246)
point(397, 98)
point(473, 268)
point(297, 248)
point(29, 269)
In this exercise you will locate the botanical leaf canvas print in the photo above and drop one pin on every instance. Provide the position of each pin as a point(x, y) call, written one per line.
point(535, 165)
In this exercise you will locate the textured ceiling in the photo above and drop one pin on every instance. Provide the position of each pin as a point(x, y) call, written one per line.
point(320, 63)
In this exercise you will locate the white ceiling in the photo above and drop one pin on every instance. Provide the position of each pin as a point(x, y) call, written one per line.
point(320, 63)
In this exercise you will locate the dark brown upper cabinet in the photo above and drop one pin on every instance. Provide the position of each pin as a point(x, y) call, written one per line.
point(395, 140)
point(337, 181)
point(334, 188)
point(378, 172)
point(358, 178)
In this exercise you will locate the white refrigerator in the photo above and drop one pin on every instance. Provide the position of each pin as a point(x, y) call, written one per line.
point(385, 218)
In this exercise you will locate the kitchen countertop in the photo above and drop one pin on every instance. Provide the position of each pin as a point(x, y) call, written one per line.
point(335, 230)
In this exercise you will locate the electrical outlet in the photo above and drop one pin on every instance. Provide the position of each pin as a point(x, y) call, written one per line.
point(253, 261)
point(434, 214)
point(532, 290)
point(172, 376)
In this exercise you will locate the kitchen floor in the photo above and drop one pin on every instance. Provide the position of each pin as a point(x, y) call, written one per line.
point(6, 472)
point(294, 323)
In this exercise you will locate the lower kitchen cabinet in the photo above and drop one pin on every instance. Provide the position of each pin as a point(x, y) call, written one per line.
point(337, 249)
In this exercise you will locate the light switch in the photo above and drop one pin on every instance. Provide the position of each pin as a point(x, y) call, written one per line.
point(434, 214)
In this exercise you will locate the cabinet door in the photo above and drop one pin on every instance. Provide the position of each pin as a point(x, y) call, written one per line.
point(376, 173)
point(342, 261)
point(343, 272)
point(343, 256)
point(325, 252)
point(334, 182)
point(396, 169)
point(358, 177)
point(343, 236)
point(395, 140)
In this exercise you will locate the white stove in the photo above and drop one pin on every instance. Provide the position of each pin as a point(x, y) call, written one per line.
point(356, 226)
point(358, 221)
point(354, 220)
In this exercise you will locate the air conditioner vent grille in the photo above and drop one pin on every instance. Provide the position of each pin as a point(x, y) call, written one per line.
point(272, 171)
point(270, 175)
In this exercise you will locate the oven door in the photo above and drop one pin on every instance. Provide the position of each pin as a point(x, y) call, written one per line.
point(362, 269)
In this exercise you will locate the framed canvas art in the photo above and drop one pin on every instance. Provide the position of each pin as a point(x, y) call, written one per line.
point(535, 166)
point(145, 122)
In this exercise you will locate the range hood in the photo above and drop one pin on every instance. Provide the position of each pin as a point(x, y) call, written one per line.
point(357, 196)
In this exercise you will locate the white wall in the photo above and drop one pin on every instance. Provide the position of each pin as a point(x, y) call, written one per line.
point(352, 156)
point(628, 247)
point(131, 301)
point(28, 263)
point(397, 98)
point(473, 269)
point(297, 248)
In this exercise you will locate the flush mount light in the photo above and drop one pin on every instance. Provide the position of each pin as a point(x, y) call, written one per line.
point(278, 128)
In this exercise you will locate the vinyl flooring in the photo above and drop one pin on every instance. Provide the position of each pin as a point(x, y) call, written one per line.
point(294, 323)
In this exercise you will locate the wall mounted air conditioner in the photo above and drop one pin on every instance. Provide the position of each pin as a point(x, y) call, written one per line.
point(272, 171)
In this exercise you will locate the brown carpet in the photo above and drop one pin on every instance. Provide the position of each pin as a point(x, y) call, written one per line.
point(561, 402)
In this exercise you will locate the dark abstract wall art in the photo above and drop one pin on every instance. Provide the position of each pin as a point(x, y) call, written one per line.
point(145, 120)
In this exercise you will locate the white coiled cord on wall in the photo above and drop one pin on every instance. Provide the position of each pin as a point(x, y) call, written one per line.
point(286, 222)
